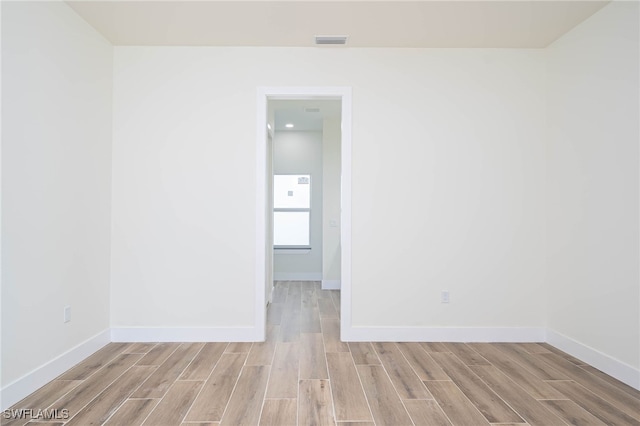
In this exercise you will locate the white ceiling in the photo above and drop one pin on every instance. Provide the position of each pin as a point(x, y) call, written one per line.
point(447, 23)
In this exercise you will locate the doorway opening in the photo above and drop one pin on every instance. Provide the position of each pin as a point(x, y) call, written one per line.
point(303, 166)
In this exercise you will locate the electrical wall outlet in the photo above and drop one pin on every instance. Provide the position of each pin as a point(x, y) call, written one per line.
point(444, 296)
point(67, 313)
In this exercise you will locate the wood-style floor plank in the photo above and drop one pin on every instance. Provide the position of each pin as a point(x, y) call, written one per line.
point(104, 405)
point(315, 407)
point(467, 355)
point(261, 353)
point(274, 313)
point(245, 405)
point(238, 348)
point(363, 353)
point(331, 335)
point(488, 403)
point(421, 362)
point(202, 364)
point(455, 404)
point(309, 299)
point(139, 348)
point(161, 380)
point(562, 354)
point(283, 381)
point(310, 320)
point(572, 413)
point(290, 327)
point(94, 362)
point(172, 409)
point(348, 397)
point(132, 412)
point(407, 383)
point(530, 362)
point(434, 347)
point(279, 412)
point(612, 381)
point(597, 406)
point(327, 308)
point(426, 412)
point(533, 348)
point(384, 402)
point(159, 354)
point(41, 399)
point(538, 388)
point(521, 401)
point(603, 389)
point(82, 394)
point(216, 392)
point(313, 362)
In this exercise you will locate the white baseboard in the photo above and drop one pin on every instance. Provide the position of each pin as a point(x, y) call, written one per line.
point(443, 334)
point(331, 284)
point(603, 362)
point(297, 276)
point(196, 334)
point(29, 383)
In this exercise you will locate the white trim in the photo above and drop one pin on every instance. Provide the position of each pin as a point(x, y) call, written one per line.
point(603, 362)
point(194, 334)
point(331, 284)
point(297, 276)
point(282, 93)
point(32, 381)
point(443, 334)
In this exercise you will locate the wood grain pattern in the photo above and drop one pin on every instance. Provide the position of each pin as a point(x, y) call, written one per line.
point(132, 412)
point(245, 404)
point(161, 380)
point(279, 412)
point(405, 380)
point(467, 355)
point(283, 382)
point(421, 362)
point(618, 398)
point(107, 402)
point(331, 334)
point(202, 384)
point(426, 412)
point(159, 354)
point(94, 362)
point(597, 406)
point(348, 397)
point(530, 362)
point(455, 404)
point(494, 409)
point(538, 388)
point(385, 405)
point(203, 363)
point(313, 362)
point(517, 398)
point(82, 394)
point(174, 406)
point(315, 407)
point(572, 413)
point(261, 353)
point(216, 392)
point(363, 353)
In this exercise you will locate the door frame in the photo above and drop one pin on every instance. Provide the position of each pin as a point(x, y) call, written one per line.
point(263, 241)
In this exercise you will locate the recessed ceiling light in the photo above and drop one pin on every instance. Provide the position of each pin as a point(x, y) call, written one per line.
point(288, 126)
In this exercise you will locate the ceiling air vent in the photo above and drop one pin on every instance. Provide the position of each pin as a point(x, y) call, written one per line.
point(331, 39)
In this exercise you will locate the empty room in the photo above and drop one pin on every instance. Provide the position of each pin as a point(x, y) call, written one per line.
point(320, 212)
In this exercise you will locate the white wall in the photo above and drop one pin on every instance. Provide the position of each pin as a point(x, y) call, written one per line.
point(298, 153)
point(448, 182)
point(56, 171)
point(592, 183)
point(331, 202)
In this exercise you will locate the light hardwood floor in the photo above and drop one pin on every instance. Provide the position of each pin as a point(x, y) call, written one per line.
point(303, 374)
